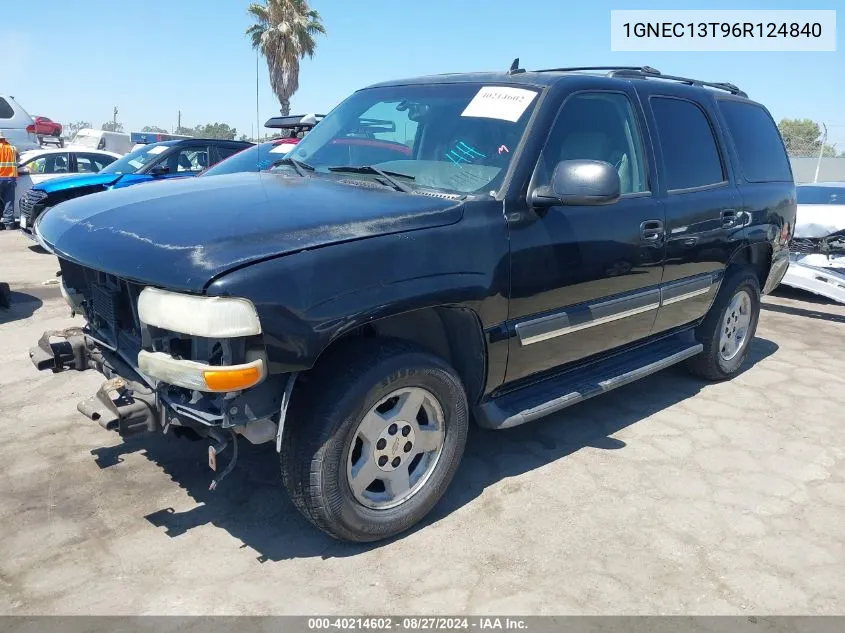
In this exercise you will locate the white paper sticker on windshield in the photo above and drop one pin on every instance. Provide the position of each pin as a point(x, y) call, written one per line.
point(283, 148)
point(158, 149)
point(497, 102)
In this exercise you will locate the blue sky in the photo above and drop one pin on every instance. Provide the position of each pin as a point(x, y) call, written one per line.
point(156, 57)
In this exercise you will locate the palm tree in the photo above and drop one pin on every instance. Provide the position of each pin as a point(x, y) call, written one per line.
point(284, 33)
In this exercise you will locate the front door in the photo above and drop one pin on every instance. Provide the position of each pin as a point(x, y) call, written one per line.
point(585, 279)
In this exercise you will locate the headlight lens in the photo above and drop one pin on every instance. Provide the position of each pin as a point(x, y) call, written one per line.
point(209, 317)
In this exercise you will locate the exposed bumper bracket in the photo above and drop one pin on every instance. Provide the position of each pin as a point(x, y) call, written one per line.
point(60, 349)
point(117, 406)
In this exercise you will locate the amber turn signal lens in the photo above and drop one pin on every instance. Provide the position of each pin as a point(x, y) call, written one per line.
point(232, 379)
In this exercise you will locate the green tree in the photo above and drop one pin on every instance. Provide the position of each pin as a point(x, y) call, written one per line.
point(154, 129)
point(185, 131)
point(71, 129)
point(111, 126)
point(801, 137)
point(284, 33)
point(215, 130)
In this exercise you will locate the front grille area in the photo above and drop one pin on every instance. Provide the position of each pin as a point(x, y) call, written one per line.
point(833, 244)
point(28, 202)
point(110, 304)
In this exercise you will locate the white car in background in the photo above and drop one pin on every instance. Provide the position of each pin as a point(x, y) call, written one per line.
point(36, 166)
point(817, 251)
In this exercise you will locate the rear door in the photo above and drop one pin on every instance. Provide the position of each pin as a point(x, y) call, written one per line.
point(585, 279)
point(764, 176)
point(703, 206)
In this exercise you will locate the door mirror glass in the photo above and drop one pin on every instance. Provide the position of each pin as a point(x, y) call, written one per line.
point(580, 182)
point(159, 170)
point(23, 171)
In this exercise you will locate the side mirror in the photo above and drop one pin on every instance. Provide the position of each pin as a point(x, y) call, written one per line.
point(160, 170)
point(579, 182)
point(24, 171)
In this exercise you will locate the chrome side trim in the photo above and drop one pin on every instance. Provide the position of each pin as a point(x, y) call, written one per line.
point(579, 318)
point(685, 296)
point(575, 319)
point(684, 289)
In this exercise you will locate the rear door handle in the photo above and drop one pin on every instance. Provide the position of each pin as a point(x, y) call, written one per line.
point(651, 230)
point(728, 217)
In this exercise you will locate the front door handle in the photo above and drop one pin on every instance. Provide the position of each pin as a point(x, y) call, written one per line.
point(728, 218)
point(651, 230)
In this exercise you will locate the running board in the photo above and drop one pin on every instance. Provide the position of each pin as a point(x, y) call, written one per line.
point(820, 281)
point(553, 394)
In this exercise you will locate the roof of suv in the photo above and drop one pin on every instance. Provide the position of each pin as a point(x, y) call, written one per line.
point(541, 78)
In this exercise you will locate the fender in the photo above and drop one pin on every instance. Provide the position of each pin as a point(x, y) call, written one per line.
point(309, 299)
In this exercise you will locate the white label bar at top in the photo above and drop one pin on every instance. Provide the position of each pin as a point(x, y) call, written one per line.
point(723, 30)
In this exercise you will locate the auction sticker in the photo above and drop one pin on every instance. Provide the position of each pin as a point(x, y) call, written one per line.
point(498, 102)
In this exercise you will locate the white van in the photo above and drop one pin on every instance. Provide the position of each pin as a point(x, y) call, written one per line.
point(88, 138)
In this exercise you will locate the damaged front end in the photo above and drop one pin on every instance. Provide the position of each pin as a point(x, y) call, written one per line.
point(817, 263)
point(188, 364)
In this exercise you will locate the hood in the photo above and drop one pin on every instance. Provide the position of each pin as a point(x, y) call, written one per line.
point(182, 234)
point(63, 183)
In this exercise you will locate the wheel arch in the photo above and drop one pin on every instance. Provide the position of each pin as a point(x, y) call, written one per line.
point(453, 333)
point(757, 256)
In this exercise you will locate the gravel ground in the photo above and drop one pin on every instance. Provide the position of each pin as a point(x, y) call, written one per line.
point(667, 496)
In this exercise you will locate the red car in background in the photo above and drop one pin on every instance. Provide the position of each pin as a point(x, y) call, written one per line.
point(45, 126)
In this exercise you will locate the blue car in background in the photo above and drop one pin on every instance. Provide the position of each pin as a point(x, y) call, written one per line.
point(157, 161)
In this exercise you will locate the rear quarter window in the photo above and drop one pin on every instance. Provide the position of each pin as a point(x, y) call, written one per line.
point(6, 110)
point(762, 156)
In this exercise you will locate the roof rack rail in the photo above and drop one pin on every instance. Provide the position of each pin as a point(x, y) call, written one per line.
point(635, 73)
point(644, 69)
point(646, 72)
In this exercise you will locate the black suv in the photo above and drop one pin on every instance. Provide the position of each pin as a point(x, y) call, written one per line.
point(494, 245)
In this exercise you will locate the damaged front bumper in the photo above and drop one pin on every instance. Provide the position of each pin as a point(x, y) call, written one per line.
point(130, 402)
point(124, 402)
point(817, 265)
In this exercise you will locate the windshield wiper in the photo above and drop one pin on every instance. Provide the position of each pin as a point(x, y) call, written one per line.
point(389, 176)
point(298, 165)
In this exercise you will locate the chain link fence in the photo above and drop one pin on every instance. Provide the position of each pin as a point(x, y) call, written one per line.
point(812, 164)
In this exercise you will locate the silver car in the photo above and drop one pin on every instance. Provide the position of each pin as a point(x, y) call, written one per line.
point(14, 121)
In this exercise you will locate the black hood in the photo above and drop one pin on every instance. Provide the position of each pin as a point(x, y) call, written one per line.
point(182, 234)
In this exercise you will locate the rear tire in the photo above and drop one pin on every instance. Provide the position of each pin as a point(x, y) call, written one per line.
point(728, 328)
point(373, 412)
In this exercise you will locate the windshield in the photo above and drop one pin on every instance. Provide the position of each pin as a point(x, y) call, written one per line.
point(457, 138)
point(133, 161)
point(821, 195)
point(253, 158)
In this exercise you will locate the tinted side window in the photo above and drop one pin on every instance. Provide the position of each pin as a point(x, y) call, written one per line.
point(6, 111)
point(222, 152)
point(690, 154)
point(87, 163)
point(762, 156)
point(598, 126)
point(49, 164)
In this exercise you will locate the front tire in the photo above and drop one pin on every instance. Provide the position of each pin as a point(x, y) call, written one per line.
point(728, 328)
point(376, 434)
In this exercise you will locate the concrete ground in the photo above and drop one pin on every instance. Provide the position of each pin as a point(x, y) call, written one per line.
point(667, 496)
